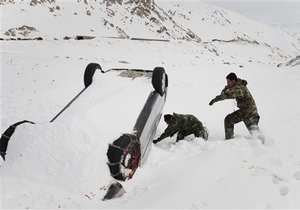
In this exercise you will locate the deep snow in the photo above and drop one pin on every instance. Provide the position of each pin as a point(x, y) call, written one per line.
point(63, 164)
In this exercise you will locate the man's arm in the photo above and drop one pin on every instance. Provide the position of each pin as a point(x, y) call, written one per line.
point(219, 97)
point(170, 131)
point(227, 93)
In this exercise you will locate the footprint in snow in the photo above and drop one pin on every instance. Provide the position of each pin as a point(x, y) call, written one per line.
point(284, 190)
point(297, 175)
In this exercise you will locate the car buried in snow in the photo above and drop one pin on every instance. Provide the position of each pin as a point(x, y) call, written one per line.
point(127, 152)
point(130, 150)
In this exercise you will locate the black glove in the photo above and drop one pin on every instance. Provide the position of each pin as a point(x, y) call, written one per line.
point(212, 102)
point(155, 141)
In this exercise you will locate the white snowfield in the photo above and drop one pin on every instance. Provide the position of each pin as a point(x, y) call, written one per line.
point(63, 164)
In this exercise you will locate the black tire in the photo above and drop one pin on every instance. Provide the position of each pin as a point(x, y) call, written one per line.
point(7, 135)
point(167, 81)
point(124, 153)
point(89, 73)
point(159, 80)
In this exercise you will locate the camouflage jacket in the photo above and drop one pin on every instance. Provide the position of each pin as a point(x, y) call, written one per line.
point(241, 94)
point(182, 122)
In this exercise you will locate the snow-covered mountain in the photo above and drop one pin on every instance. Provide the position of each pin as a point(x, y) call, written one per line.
point(220, 27)
point(122, 19)
point(63, 164)
point(216, 28)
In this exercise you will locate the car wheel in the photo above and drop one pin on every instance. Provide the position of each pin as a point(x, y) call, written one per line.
point(89, 73)
point(124, 156)
point(159, 80)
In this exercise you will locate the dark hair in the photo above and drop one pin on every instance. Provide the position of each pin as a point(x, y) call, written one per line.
point(167, 117)
point(231, 76)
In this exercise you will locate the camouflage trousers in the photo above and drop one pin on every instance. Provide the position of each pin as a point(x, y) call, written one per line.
point(251, 121)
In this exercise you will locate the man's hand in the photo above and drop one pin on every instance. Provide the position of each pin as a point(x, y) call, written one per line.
point(155, 141)
point(216, 99)
point(212, 102)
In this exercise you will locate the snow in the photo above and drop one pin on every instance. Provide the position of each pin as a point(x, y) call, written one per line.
point(63, 164)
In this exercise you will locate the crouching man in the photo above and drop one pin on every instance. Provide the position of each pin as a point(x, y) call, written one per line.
point(183, 125)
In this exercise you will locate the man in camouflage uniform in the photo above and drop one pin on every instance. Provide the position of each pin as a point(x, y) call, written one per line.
point(183, 125)
point(247, 112)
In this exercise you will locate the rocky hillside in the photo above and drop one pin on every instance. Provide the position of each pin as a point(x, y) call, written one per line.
point(294, 62)
point(218, 30)
point(223, 27)
point(113, 18)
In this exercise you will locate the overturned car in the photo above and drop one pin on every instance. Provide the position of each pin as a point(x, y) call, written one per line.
point(93, 109)
point(130, 149)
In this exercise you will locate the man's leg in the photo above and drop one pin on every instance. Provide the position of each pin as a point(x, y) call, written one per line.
point(180, 136)
point(252, 126)
point(229, 122)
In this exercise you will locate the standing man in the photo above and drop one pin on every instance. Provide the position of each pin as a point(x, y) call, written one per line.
point(183, 125)
point(247, 112)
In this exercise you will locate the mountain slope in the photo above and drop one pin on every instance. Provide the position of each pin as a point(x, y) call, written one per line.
point(221, 28)
point(108, 18)
point(193, 21)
